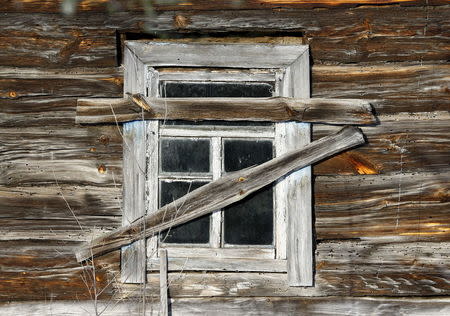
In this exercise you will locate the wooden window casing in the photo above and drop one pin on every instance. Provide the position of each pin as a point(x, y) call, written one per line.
point(148, 64)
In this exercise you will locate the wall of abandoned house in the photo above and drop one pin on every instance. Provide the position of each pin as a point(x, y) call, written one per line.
point(382, 223)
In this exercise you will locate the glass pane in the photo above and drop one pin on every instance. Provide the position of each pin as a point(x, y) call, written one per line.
point(250, 221)
point(196, 231)
point(216, 89)
point(185, 155)
point(240, 154)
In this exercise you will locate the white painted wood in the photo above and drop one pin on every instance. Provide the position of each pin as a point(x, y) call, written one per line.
point(152, 185)
point(216, 217)
point(216, 55)
point(228, 253)
point(133, 257)
point(163, 287)
point(298, 185)
point(221, 131)
point(218, 75)
point(220, 264)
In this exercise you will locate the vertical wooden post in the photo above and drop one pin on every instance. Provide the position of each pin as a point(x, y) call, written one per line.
point(163, 287)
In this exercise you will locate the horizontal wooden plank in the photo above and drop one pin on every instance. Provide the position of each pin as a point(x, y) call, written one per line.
point(37, 84)
point(406, 204)
point(219, 264)
point(357, 267)
point(335, 36)
point(50, 154)
point(404, 142)
point(37, 270)
point(329, 306)
point(217, 194)
point(332, 111)
point(122, 5)
point(390, 89)
point(233, 55)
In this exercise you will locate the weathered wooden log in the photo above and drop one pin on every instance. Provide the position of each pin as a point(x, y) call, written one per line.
point(222, 192)
point(332, 111)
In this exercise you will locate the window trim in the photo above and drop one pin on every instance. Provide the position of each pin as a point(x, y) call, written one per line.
point(293, 61)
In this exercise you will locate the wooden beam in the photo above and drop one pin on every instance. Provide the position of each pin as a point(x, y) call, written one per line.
point(163, 286)
point(226, 190)
point(278, 109)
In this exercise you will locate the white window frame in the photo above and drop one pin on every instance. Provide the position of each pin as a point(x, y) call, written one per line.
point(288, 66)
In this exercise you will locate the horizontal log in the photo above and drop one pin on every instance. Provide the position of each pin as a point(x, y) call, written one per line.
point(329, 306)
point(342, 267)
point(122, 5)
point(335, 36)
point(222, 192)
point(39, 84)
point(412, 205)
point(94, 111)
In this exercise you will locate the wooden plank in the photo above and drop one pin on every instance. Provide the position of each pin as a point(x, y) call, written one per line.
point(405, 142)
point(233, 187)
point(220, 264)
point(335, 36)
point(215, 54)
point(37, 269)
point(163, 286)
point(329, 306)
point(133, 258)
point(409, 205)
point(332, 111)
point(362, 268)
point(122, 5)
point(298, 189)
point(38, 84)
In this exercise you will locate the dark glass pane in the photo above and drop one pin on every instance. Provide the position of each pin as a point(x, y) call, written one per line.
point(184, 155)
point(250, 221)
point(240, 154)
point(215, 89)
point(196, 231)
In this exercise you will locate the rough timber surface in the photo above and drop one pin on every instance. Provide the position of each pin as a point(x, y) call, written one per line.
point(381, 211)
point(327, 306)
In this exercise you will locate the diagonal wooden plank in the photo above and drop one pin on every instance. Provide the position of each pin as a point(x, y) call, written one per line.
point(278, 109)
point(226, 190)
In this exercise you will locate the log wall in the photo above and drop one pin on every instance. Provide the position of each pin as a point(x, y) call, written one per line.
point(382, 226)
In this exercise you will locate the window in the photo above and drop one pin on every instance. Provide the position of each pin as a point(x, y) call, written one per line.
point(171, 158)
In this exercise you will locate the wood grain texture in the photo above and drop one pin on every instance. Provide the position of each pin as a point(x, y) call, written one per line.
point(410, 205)
point(342, 267)
point(331, 111)
point(122, 5)
point(49, 155)
point(329, 306)
point(222, 192)
point(335, 36)
point(38, 270)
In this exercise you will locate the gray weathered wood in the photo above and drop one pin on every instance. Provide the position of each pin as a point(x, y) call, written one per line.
point(233, 306)
point(133, 198)
point(163, 286)
point(297, 187)
point(134, 166)
point(220, 264)
point(332, 111)
point(222, 192)
point(216, 55)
